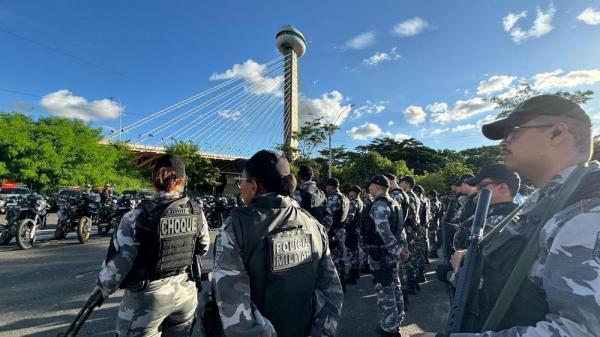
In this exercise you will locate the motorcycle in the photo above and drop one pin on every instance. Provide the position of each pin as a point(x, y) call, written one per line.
point(77, 214)
point(114, 213)
point(216, 209)
point(23, 220)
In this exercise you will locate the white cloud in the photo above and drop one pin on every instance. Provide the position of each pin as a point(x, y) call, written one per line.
point(436, 132)
point(460, 110)
point(254, 73)
point(382, 56)
point(397, 136)
point(542, 24)
point(463, 127)
point(330, 106)
point(414, 114)
point(231, 114)
point(63, 103)
point(410, 27)
point(559, 79)
point(370, 108)
point(495, 84)
point(476, 125)
point(390, 123)
point(365, 131)
point(361, 41)
point(591, 16)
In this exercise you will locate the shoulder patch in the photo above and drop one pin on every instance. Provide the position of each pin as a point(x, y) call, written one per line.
point(596, 252)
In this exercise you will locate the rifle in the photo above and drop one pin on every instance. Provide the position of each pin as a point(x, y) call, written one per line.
point(95, 300)
point(468, 276)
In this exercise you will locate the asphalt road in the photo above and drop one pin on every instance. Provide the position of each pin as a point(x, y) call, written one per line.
point(42, 289)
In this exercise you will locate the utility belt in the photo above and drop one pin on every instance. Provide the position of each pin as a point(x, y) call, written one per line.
point(138, 280)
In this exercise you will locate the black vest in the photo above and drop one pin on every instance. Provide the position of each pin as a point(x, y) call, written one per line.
point(314, 201)
point(372, 237)
point(166, 230)
point(281, 246)
point(500, 255)
point(339, 216)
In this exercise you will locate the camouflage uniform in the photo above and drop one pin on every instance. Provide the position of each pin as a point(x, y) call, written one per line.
point(434, 224)
point(168, 304)
point(353, 234)
point(415, 242)
point(337, 236)
point(367, 203)
point(240, 315)
point(387, 284)
point(566, 273)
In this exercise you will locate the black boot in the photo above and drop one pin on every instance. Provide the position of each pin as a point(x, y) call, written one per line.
point(405, 297)
point(421, 276)
point(352, 277)
point(411, 287)
point(343, 282)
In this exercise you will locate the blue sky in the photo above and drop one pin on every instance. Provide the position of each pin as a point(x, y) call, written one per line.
point(409, 68)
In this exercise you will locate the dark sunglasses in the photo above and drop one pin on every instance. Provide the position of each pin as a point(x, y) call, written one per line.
point(509, 134)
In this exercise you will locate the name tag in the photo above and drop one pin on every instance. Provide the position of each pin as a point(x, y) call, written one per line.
point(291, 251)
point(178, 225)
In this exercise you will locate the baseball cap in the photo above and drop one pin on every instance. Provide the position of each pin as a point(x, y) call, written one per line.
point(305, 171)
point(542, 105)
point(498, 173)
point(355, 188)
point(380, 180)
point(173, 162)
point(333, 182)
point(408, 179)
point(390, 176)
point(265, 166)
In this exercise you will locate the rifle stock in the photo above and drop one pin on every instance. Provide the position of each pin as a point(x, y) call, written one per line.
point(468, 276)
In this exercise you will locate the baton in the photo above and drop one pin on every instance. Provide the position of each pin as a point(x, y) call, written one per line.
point(95, 300)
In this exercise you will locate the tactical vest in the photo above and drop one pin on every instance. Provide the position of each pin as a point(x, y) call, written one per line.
point(372, 237)
point(314, 201)
point(340, 215)
point(166, 230)
point(281, 247)
point(404, 198)
point(500, 255)
point(365, 216)
point(357, 216)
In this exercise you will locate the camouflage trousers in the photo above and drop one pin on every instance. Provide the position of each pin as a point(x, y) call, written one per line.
point(417, 244)
point(432, 235)
point(390, 303)
point(167, 307)
point(352, 248)
point(336, 246)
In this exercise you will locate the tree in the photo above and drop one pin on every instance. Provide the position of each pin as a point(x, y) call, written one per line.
point(417, 156)
point(370, 164)
point(201, 174)
point(506, 104)
point(439, 180)
point(476, 157)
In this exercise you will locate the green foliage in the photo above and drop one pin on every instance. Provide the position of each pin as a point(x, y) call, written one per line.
point(202, 175)
point(439, 180)
point(479, 156)
point(417, 156)
point(369, 164)
point(55, 151)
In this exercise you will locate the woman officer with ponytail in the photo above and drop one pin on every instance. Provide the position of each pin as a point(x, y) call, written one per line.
point(273, 274)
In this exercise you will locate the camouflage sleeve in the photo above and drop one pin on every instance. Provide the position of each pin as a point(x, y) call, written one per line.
point(333, 203)
point(351, 212)
point(569, 270)
point(380, 213)
point(327, 296)
point(122, 252)
point(203, 240)
point(231, 282)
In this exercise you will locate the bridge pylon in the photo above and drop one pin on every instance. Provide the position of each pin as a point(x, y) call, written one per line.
point(292, 45)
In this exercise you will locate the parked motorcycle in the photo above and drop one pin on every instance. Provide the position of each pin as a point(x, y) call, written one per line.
point(23, 220)
point(78, 214)
point(216, 209)
point(114, 213)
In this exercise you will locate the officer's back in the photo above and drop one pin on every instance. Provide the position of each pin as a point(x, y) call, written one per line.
point(272, 260)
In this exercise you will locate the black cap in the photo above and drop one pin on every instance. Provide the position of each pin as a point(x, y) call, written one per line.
point(542, 105)
point(173, 162)
point(390, 176)
point(432, 193)
point(265, 166)
point(462, 178)
point(333, 182)
point(355, 188)
point(380, 180)
point(305, 172)
point(497, 173)
point(408, 179)
point(419, 189)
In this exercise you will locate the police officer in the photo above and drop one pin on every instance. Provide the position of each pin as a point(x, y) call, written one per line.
point(151, 255)
point(421, 243)
point(548, 140)
point(309, 196)
point(337, 212)
point(273, 274)
point(353, 233)
point(387, 248)
point(412, 227)
point(364, 218)
point(106, 194)
point(434, 234)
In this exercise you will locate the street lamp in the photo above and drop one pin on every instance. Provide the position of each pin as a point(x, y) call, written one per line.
point(330, 128)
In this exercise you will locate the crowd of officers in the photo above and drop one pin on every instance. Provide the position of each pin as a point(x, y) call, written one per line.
point(279, 262)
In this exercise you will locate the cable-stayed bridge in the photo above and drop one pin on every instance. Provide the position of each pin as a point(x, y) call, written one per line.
point(254, 106)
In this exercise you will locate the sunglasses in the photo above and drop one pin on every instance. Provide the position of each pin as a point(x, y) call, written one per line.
point(238, 181)
point(509, 134)
point(484, 185)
